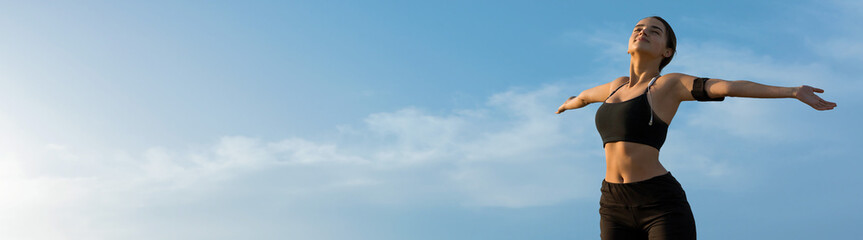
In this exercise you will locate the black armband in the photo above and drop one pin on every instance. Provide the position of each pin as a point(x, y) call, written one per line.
point(699, 93)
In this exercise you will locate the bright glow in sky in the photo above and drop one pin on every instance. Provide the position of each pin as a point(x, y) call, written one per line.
point(394, 120)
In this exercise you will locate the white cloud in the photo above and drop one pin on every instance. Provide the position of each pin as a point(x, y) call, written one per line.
point(514, 153)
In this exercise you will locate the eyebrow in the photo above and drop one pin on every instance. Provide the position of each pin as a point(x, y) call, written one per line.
point(642, 25)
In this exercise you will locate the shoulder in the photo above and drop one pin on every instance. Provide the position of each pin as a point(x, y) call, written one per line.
point(681, 81)
point(617, 82)
point(680, 84)
point(676, 77)
point(601, 92)
point(620, 80)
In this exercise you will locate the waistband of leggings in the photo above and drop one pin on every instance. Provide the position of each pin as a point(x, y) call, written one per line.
point(661, 178)
point(662, 189)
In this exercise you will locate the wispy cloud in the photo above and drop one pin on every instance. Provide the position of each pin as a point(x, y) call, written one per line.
point(513, 153)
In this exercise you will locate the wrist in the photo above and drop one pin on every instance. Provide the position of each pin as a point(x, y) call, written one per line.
point(794, 91)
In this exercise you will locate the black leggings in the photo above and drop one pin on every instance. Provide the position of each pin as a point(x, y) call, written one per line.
point(652, 209)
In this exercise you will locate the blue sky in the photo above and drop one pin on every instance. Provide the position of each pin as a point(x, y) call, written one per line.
point(398, 120)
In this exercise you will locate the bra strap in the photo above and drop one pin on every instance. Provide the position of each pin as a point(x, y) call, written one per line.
point(615, 90)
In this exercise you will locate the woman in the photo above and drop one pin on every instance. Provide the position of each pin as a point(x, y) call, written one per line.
point(640, 199)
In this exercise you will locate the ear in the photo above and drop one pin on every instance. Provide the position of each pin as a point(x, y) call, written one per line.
point(668, 52)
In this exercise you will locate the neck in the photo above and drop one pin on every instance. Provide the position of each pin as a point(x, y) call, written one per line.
point(642, 69)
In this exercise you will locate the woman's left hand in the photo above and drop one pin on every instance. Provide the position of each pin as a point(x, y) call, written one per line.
point(806, 94)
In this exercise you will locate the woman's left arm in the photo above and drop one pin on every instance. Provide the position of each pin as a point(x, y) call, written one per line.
point(717, 88)
point(743, 88)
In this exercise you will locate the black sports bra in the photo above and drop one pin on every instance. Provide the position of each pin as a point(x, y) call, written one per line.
point(631, 121)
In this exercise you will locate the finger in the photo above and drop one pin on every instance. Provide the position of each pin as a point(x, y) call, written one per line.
point(818, 90)
point(828, 103)
point(815, 105)
point(817, 98)
point(820, 105)
point(821, 102)
point(825, 105)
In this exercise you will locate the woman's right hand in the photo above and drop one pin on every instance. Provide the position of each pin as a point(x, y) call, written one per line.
point(563, 106)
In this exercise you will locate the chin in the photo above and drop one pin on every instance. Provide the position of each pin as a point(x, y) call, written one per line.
point(638, 48)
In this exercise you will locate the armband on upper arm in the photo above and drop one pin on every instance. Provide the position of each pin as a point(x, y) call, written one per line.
point(700, 93)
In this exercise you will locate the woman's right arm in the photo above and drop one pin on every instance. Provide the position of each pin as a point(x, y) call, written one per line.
point(595, 94)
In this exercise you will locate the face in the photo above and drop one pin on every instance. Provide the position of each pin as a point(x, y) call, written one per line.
point(649, 36)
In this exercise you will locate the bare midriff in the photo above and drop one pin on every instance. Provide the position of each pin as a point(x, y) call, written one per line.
point(627, 162)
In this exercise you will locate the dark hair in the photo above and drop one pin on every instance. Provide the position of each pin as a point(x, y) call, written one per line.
point(671, 43)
